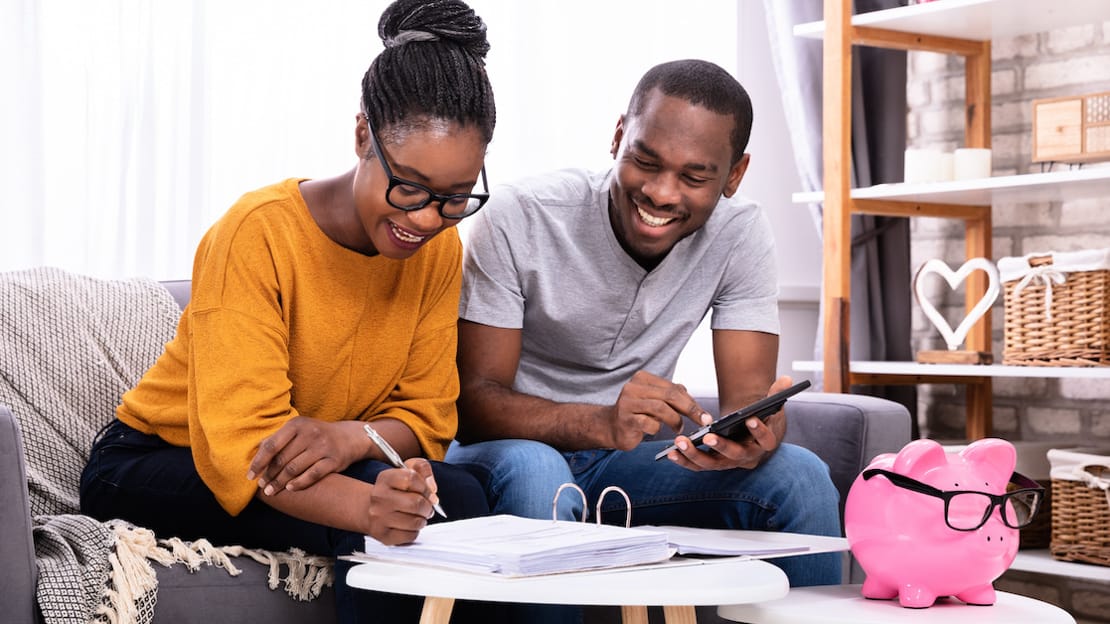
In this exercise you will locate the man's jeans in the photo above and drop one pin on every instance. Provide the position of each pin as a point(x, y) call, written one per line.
point(791, 491)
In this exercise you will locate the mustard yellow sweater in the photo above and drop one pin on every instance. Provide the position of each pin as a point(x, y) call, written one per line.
point(284, 322)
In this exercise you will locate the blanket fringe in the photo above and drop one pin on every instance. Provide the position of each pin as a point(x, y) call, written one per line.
point(195, 554)
point(308, 574)
point(133, 583)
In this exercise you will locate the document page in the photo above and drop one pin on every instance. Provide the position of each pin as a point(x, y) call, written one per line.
point(691, 541)
point(747, 543)
point(516, 546)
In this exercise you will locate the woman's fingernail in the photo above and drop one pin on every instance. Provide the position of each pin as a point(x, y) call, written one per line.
point(250, 475)
point(269, 490)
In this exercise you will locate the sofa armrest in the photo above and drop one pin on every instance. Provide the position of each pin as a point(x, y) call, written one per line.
point(847, 431)
point(19, 572)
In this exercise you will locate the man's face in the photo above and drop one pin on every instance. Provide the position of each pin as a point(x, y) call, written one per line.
point(673, 163)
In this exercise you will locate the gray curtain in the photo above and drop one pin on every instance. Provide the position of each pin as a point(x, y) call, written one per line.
point(881, 274)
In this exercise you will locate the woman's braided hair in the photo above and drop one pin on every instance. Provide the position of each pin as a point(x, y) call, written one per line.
point(433, 67)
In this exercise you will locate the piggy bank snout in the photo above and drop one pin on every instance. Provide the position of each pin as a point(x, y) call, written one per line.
point(994, 537)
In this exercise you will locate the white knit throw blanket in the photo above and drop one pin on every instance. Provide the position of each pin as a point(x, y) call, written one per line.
point(70, 346)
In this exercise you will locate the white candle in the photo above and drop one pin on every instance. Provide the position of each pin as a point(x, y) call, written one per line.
point(921, 165)
point(947, 166)
point(971, 163)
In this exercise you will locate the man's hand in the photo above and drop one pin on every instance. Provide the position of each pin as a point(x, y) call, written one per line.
point(301, 453)
point(724, 454)
point(401, 502)
point(645, 404)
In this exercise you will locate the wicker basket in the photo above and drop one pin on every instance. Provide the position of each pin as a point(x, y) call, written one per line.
point(1080, 510)
point(1069, 327)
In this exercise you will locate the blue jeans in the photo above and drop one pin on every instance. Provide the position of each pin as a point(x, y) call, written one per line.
point(148, 482)
point(791, 491)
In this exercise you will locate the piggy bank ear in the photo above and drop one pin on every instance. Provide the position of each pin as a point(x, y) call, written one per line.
point(992, 458)
point(918, 457)
point(882, 460)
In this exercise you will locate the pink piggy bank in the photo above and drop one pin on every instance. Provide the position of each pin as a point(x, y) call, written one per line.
point(924, 524)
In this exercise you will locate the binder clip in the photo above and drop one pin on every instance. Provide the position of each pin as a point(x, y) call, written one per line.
point(555, 501)
point(597, 507)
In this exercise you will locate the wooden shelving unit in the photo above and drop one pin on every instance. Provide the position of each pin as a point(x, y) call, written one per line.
point(1041, 561)
point(966, 28)
point(881, 373)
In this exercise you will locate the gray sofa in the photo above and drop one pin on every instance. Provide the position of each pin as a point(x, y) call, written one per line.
point(844, 430)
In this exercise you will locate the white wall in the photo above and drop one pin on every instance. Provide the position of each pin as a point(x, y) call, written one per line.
point(770, 180)
point(121, 156)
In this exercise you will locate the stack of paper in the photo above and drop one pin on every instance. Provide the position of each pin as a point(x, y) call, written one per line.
point(731, 543)
point(515, 546)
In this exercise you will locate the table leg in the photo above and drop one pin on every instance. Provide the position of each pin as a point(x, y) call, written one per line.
point(634, 615)
point(680, 615)
point(438, 610)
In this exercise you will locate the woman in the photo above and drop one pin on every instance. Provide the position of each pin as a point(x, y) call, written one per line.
point(319, 306)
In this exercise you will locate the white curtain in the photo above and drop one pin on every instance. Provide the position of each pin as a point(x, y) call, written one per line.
point(129, 126)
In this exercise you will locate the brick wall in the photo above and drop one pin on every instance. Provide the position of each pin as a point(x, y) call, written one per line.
point(1072, 61)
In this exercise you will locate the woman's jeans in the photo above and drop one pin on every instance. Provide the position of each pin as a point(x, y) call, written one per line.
point(148, 482)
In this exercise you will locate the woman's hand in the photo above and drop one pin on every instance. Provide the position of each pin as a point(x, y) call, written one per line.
point(302, 452)
point(401, 502)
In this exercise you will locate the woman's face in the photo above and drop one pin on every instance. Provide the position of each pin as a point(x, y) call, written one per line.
point(441, 155)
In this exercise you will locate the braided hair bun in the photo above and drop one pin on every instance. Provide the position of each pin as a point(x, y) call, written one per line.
point(433, 66)
point(420, 20)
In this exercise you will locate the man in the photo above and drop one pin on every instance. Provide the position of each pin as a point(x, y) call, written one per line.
point(580, 290)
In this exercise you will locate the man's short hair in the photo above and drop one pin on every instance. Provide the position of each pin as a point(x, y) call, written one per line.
point(705, 84)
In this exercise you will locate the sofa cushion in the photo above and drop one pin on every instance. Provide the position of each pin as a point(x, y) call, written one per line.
point(211, 596)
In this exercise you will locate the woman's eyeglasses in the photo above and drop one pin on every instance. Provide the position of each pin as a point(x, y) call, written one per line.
point(966, 510)
point(407, 195)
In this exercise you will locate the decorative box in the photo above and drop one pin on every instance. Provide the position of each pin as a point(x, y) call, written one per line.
point(1056, 308)
point(1072, 129)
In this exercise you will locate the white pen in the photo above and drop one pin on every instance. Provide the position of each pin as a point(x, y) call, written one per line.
point(393, 457)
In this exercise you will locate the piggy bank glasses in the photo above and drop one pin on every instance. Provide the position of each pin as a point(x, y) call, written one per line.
point(967, 510)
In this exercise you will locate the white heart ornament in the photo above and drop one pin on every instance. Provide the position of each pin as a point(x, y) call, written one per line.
point(956, 338)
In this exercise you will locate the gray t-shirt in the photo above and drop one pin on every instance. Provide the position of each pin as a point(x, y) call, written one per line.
point(541, 256)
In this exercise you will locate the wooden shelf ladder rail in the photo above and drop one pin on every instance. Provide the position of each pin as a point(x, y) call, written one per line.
point(840, 35)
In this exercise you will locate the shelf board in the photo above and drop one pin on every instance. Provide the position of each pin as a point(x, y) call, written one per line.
point(978, 20)
point(1054, 186)
point(1041, 561)
point(960, 370)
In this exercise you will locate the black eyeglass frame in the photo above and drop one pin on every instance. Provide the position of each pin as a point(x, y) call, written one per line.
point(433, 196)
point(997, 500)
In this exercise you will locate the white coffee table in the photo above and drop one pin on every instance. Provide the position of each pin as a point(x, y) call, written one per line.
point(843, 604)
point(678, 586)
